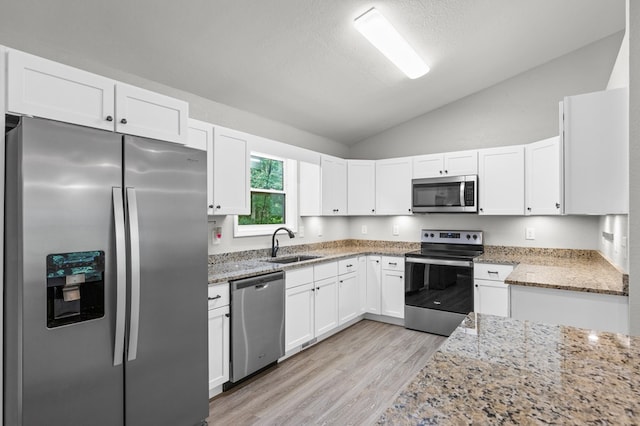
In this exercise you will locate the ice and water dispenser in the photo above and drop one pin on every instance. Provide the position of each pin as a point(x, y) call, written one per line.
point(75, 287)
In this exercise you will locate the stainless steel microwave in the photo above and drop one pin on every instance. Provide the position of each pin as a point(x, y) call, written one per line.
point(445, 194)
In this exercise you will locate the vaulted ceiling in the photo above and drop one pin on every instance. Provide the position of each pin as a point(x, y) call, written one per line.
point(302, 63)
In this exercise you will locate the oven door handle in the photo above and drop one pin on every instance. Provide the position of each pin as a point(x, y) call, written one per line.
point(443, 262)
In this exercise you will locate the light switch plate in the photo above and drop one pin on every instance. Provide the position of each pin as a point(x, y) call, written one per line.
point(530, 233)
point(396, 229)
point(364, 229)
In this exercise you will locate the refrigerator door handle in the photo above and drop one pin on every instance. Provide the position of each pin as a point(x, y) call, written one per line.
point(134, 240)
point(121, 274)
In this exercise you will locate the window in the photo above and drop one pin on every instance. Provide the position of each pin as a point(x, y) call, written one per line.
point(273, 200)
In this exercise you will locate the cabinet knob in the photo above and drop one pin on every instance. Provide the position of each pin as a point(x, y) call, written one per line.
point(476, 285)
point(446, 171)
point(218, 207)
point(440, 171)
point(109, 118)
point(210, 206)
point(123, 121)
point(216, 297)
point(557, 205)
point(409, 210)
point(313, 289)
point(227, 315)
point(529, 209)
point(481, 209)
point(373, 210)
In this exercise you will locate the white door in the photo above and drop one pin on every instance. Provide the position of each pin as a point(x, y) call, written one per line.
point(543, 177)
point(461, 163)
point(230, 159)
point(393, 294)
point(201, 137)
point(393, 186)
point(348, 297)
point(218, 346)
point(374, 278)
point(144, 113)
point(333, 186)
point(361, 187)
point(428, 166)
point(326, 308)
point(501, 180)
point(299, 315)
point(47, 89)
point(309, 189)
point(491, 297)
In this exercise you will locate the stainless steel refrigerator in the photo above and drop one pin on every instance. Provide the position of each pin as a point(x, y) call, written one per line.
point(106, 279)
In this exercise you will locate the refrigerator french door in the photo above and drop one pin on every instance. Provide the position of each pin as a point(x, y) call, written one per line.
point(106, 254)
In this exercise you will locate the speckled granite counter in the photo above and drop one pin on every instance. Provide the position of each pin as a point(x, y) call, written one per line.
point(495, 370)
point(237, 265)
point(578, 270)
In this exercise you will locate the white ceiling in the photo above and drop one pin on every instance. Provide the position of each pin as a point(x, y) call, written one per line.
point(301, 62)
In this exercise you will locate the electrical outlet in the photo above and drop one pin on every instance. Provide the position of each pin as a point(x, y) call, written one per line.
point(530, 233)
point(364, 229)
point(300, 231)
point(396, 229)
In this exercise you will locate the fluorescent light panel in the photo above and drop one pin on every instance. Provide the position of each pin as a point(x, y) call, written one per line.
point(375, 28)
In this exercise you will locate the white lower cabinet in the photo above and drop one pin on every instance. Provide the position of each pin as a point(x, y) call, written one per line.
point(491, 295)
point(392, 287)
point(299, 315)
point(348, 290)
point(374, 278)
point(219, 334)
point(326, 307)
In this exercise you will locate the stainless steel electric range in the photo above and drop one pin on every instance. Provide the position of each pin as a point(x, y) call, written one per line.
point(439, 280)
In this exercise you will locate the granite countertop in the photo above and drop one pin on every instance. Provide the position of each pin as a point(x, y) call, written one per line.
point(495, 370)
point(238, 265)
point(578, 270)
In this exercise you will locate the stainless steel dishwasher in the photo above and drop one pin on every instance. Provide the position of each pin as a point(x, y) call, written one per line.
point(257, 323)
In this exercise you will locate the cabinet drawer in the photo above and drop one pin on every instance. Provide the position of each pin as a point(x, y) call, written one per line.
point(218, 295)
point(297, 277)
point(325, 270)
point(347, 265)
point(491, 271)
point(390, 263)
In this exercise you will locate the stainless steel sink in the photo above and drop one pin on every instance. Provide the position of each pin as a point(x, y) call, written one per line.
point(291, 259)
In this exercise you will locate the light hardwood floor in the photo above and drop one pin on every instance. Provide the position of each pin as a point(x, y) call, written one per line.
point(347, 379)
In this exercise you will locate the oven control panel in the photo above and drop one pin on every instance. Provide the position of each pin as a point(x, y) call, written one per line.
point(451, 237)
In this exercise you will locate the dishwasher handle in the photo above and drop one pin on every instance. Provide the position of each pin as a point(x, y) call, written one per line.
point(260, 280)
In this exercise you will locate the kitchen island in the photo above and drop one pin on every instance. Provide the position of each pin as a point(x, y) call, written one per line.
point(495, 370)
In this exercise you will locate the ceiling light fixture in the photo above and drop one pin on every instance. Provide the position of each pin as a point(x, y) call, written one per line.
point(375, 28)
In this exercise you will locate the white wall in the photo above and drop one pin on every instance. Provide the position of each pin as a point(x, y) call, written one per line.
point(518, 110)
point(633, 27)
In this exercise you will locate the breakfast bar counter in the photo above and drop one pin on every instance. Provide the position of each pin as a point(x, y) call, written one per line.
point(495, 370)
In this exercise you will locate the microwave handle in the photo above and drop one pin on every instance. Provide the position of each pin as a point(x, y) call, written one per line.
point(462, 184)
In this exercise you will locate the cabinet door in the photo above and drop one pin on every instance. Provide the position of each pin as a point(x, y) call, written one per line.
point(393, 186)
point(461, 163)
point(543, 183)
point(362, 284)
point(47, 89)
point(491, 297)
point(309, 189)
point(148, 114)
point(361, 187)
point(501, 180)
point(333, 186)
point(374, 278)
point(326, 307)
point(393, 293)
point(595, 127)
point(218, 347)
point(299, 315)
point(201, 137)
point(348, 297)
point(426, 166)
point(230, 159)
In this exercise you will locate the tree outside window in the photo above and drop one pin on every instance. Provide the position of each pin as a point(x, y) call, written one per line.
point(268, 197)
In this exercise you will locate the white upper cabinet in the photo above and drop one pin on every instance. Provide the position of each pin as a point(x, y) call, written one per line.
point(201, 137)
point(447, 164)
point(309, 189)
point(501, 180)
point(144, 113)
point(230, 159)
point(543, 171)
point(393, 186)
point(361, 187)
point(333, 186)
point(47, 89)
point(595, 128)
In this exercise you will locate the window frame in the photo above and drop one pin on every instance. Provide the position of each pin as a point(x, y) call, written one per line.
point(290, 191)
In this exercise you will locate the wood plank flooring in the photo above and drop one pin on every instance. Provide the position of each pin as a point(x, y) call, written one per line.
point(347, 379)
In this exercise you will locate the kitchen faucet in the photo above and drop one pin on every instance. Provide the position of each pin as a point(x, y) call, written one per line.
point(275, 245)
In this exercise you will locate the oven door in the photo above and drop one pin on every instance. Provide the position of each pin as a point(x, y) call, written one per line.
point(439, 284)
